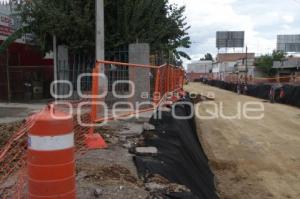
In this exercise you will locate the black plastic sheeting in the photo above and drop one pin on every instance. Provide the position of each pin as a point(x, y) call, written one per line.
point(181, 158)
point(291, 97)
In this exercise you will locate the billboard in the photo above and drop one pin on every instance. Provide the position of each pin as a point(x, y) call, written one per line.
point(230, 39)
point(288, 43)
point(6, 25)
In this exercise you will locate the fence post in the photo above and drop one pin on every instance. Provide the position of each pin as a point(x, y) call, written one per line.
point(181, 79)
point(95, 89)
point(168, 78)
point(94, 140)
point(172, 79)
point(157, 87)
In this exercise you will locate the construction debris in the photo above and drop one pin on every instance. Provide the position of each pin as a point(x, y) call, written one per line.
point(148, 127)
point(145, 151)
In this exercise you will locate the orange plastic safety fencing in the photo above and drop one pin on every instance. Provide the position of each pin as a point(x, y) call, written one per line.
point(169, 79)
point(292, 79)
point(13, 156)
point(162, 80)
point(280, 79)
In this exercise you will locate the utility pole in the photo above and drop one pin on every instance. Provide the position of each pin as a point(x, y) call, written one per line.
point(100, 30)
point(100, 47)
point(246, 65)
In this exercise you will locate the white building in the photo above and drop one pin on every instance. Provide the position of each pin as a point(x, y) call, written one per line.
point(233, 63)
point(199, 69)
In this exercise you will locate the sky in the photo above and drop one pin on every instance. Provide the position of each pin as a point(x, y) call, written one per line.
point(262, 21)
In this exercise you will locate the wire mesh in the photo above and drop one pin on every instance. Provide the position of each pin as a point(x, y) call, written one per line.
point(165, 79)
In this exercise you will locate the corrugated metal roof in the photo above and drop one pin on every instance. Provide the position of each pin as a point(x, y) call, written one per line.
point(292, 62)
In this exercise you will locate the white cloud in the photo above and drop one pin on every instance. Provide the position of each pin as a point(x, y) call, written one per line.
point(262, 21)
point(288, 18)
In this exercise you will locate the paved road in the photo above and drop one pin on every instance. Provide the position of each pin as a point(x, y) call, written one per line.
point(252, 159)
point(15, 112)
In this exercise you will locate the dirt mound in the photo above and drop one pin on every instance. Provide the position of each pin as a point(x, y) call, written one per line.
point(109, 173)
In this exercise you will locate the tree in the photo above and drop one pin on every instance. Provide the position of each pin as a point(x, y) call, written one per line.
point(126, 21)
point(207, 57)
point(265, 62)
point(278, 55)
point(151, 21)
point(72, 21)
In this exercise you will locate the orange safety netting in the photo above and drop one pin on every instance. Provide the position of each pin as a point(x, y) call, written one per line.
point(166, 79)
point(13, 156)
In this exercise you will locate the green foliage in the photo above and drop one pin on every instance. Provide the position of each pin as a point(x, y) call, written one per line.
point(265, 62)
point(72, 21)
point(17, 34)
point(278, 55)
point(126, 21)
point(207, 57)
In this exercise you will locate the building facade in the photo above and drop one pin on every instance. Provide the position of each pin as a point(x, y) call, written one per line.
point(24, 73)
point(288, 67)
point(229, 65)
point(199, 69)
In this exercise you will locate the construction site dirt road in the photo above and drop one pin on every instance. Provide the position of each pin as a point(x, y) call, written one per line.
point(251, 158)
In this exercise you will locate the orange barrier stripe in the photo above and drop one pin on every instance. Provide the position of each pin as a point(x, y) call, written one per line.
point(134, 65)
point(262, 78)
point(127, 64)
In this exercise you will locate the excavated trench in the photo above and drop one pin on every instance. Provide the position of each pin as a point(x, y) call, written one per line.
point(180, 158)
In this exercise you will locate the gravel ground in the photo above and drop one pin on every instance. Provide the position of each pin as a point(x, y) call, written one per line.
point(111, 173)
point(7, 131)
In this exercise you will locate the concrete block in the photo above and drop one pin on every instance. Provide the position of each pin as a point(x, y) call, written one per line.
point(131, 130)
point(146, 151)
point(148, 127)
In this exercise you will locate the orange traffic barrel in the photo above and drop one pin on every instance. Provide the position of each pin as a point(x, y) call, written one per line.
point(50, 158)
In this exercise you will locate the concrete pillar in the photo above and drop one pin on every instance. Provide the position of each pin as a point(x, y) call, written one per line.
point(63, 68)
point(139, 53)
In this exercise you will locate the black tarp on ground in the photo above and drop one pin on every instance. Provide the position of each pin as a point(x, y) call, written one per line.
point(181, 158)
point(260, 91)
point(291, 97)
